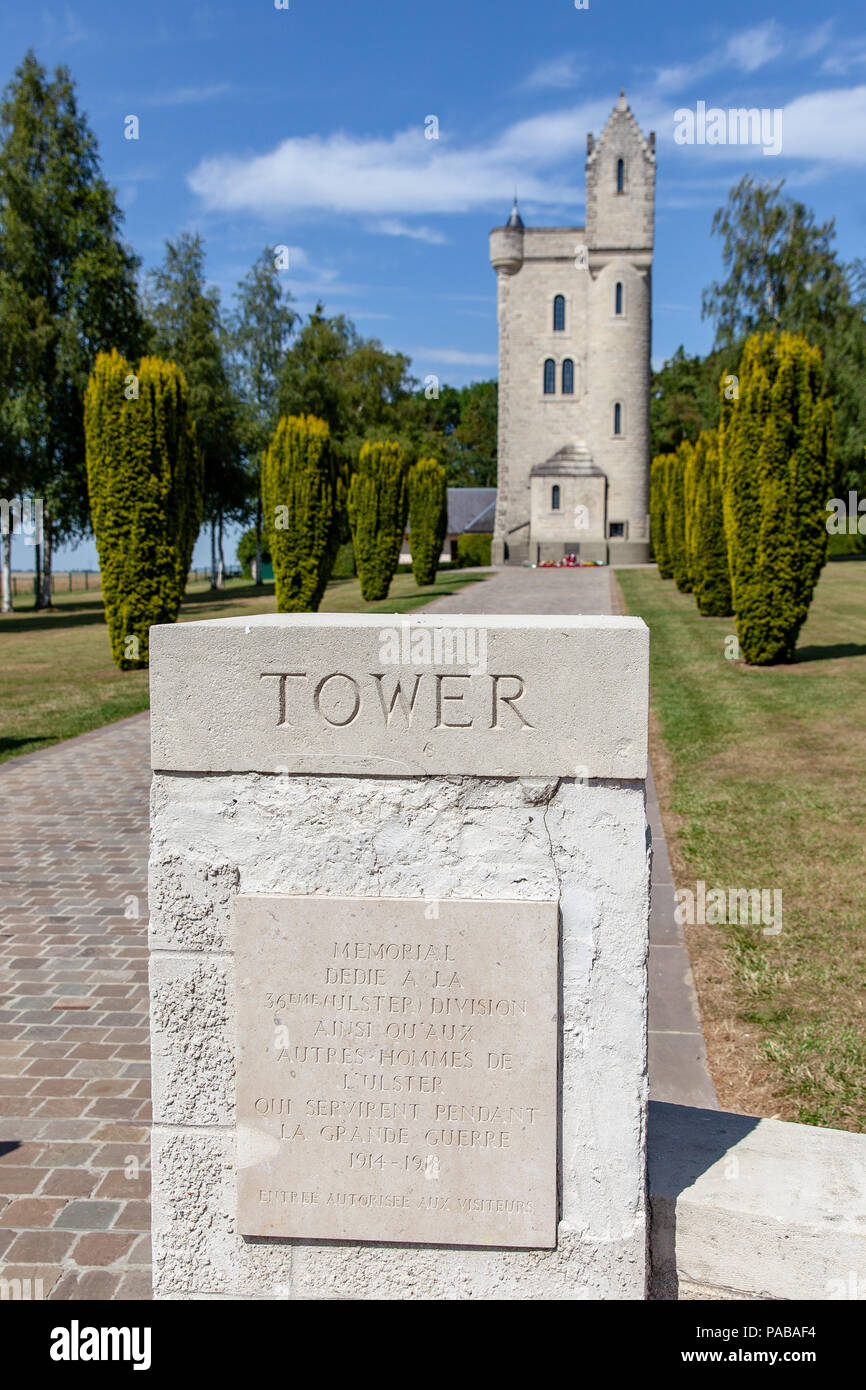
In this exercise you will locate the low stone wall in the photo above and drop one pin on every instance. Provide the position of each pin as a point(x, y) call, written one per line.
point(746, 1208)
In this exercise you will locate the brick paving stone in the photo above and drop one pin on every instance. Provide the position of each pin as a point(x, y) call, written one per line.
point(70, 1182)
point(102, 1247)
point(30, 1212)
point(134, 1285)
point(40, 1247)
point(15, 1180)
point(87, 1216)
point(98, 1284)
point(134, 1216)
point(71, 854)
point(41, 1274)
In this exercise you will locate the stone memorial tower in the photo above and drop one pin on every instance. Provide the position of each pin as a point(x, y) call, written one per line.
point(574, 306)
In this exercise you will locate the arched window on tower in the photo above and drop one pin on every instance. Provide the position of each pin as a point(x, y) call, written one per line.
point(550, 377)
point(618, 297)
point(559, 314)
point(617, 418)
point(620, 176)
point(554, 497)
point(568, 377)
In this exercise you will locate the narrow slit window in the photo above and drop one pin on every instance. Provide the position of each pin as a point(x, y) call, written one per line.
point(559, 314)
point(620, 176)
point(554, 497)
point(617, 418)
point(619, 296)
point(549, 377)
point(568, 377)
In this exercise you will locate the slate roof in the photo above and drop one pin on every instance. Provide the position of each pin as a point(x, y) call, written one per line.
point(470, 509)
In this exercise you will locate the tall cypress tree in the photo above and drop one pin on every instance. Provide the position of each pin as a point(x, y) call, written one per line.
point(676, 523)
point(775, 445)
point(67, 290)
point(301, 492)
point(378, 509)
point(659, 514)
point(428, 517)
point(144, 471)
point(708, 551)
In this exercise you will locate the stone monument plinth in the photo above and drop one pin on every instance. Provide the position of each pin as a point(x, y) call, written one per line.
point(399, 904)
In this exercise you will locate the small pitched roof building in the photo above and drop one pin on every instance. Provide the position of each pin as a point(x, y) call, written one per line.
point(574, 364)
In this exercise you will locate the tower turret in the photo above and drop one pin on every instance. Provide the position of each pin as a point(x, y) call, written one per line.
point(506, 244)
point(620, 184)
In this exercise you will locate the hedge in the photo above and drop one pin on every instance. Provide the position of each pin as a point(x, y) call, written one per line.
point(301, 508)
point(378, 507)
point(145, 476)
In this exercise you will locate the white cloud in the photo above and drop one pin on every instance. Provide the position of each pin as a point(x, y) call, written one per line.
point(559, 72)
point(392, 226)
point(847, 56)
point(454, 357)
point(406, 174)
point(754, 47)
point(827, 126)
point(188, 96)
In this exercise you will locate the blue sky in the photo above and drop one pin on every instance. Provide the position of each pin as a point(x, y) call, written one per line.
point(305, 127)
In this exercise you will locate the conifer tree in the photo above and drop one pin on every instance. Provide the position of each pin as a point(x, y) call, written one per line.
point(676, 521)
point(428, 517)
point(145, 478)
point(659, 514)
point(301, 504)
point(775, 444)
point(708, 551)
point(378, 508)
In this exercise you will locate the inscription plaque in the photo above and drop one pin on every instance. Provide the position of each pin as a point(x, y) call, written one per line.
point(397, 1069)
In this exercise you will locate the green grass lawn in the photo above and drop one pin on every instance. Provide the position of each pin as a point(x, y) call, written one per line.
point(57, 677)
point(763, 784)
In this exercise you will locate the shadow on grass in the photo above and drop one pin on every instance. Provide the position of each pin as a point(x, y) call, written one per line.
point(32, 743)
point(833, 652)
point(68, 615)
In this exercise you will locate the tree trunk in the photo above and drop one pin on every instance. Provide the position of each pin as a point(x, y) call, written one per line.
point(221, 580)
point(37, 575)
point(46, 561)
point(213, 558)
point(258, 574)
point(7, 571)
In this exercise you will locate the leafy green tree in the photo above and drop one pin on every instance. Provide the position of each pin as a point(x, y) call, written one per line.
point(378, 508)
point(67, 291)
point(474, 464)
point(783, 275)
point(261, 330)
point(708, 551)
point(428, 517)
point(684, 397)
point(775, 447)
point(350, 382)
point(188, 329)
point(145, 477)
point(301, 497)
